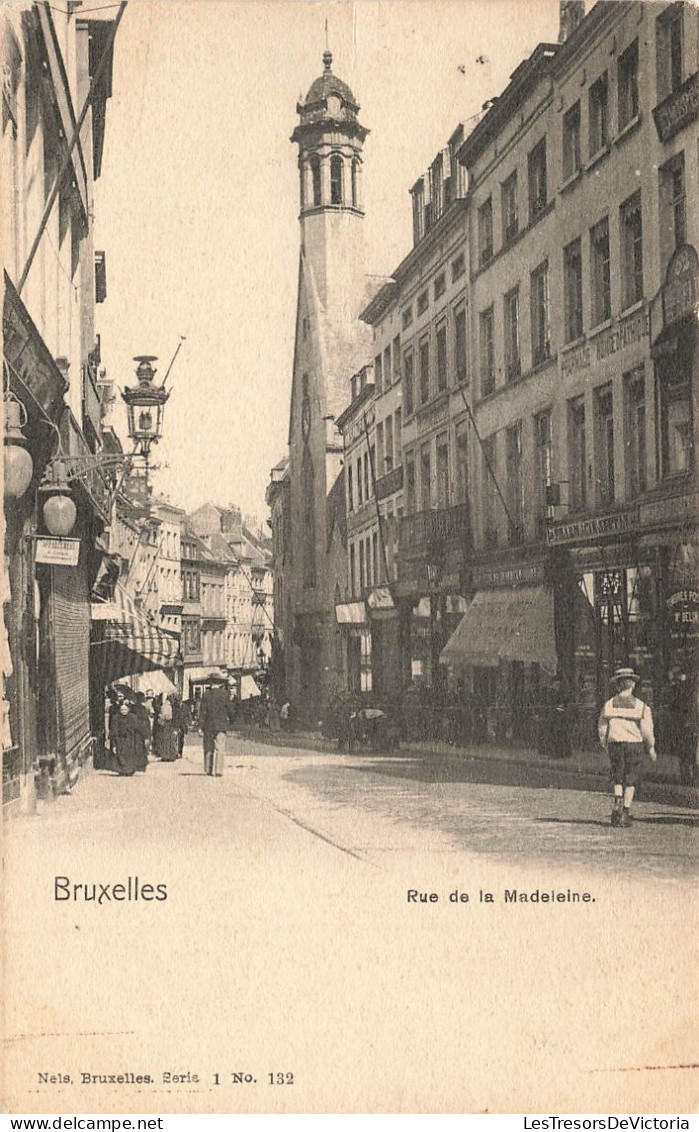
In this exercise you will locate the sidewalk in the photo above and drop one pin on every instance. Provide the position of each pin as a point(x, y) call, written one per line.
point(584, 770)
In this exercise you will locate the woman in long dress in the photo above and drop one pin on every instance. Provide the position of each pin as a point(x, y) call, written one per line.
point(164, 744)
point(126, 737)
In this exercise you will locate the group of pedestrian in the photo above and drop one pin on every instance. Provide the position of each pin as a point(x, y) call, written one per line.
point(139, 725)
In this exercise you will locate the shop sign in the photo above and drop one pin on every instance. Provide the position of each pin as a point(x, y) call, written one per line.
point(620, 523)
point(678, 110)
point(680, 290)
point(491, 578)
point(57, 551)
point(673, 509)
point(618, 337)
point(683, 613)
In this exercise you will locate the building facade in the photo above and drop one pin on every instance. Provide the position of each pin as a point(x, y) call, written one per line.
point(54, 277)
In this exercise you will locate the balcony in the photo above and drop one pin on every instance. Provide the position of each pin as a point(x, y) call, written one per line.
point(390, 482)
point(448, 526)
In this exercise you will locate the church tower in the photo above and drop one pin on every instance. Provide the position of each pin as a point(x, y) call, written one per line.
point(331, 344)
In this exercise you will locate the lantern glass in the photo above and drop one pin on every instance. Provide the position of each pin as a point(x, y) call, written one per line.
point(59, 515)
point(19, 469)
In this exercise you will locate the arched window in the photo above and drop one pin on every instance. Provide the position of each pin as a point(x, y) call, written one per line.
point(355, 183)
point(309, 521)
point(315, 173)
point(336, 170)
point(302, 186)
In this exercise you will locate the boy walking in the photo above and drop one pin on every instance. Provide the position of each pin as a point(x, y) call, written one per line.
point(625, 730)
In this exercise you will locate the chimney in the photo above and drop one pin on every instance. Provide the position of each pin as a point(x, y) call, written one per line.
point(572, 13)
point(232, 524)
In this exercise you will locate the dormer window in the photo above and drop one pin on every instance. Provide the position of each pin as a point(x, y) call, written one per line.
point(334, 105)
point(336, 172)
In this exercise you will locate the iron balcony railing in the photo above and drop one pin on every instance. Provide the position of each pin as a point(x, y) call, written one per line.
point(446, 525)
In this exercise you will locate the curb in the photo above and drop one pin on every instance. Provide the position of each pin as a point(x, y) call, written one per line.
point(668, 793)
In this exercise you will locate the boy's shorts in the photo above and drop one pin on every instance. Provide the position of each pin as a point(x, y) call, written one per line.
point(626, 762)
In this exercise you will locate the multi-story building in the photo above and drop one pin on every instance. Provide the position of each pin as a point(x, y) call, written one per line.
point(168, 566)
point(54, 277)
point(278, 501)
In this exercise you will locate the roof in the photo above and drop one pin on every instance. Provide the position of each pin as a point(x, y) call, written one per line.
point(381, 300)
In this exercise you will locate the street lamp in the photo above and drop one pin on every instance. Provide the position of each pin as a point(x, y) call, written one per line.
point(145, 404)
point(18, 463)
point(59, 510)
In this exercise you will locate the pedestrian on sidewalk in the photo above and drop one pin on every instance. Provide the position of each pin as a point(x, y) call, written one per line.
point(216, 713)
point(142, 714)
point(126, 737)
point(625, 730)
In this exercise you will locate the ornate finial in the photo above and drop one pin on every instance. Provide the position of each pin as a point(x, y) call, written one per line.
point(327, 59)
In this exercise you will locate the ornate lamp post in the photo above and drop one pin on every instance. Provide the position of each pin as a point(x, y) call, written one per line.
point(145, 405)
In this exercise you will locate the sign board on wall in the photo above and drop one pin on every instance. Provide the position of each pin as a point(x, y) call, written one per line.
point(57, 551)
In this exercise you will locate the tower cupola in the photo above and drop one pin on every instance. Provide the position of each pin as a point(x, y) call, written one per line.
point(330, 140)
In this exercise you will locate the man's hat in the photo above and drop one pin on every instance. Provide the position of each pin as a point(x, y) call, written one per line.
point(626, 674)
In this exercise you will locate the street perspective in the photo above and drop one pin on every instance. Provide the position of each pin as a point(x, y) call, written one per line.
point(350, 402)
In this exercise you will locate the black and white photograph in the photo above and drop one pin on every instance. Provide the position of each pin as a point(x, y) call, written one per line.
point(350, 402)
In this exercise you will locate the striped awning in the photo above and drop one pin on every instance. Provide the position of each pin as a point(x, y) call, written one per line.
point(125, 642)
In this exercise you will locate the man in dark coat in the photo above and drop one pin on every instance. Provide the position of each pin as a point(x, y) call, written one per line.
point(216, 713)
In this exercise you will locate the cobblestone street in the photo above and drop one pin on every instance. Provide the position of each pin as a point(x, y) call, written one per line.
point(289, 925)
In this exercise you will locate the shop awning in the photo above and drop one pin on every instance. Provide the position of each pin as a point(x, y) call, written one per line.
point(126, 642)
point(513, 624)
point(248, 688)
point(351, 613)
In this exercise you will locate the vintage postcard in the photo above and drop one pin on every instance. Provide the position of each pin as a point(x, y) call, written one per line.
point(350, 370)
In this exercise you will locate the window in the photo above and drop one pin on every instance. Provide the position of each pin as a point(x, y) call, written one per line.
point(577, 454)
point(461, 357)
point(396, 358)
point(418, 213)
point(407, 317)
point(511, 332)
point(360, 482)
point(362, 567)
point(425, 478)
point(355, 183)
point(388, 458)
point(441, 356)
point(628, 85)
point(440, 285)
point(398, 437)
point(543, 442)
point(309, 522)
point(537, 180)
point(350, 488)
point(571, 141)
point(336, 178)
point(352, 570)
point(540, 315)
point(387, 367)
point(378, 374)
point(572, 290)
point(485, 232)
point(461, 441)
point(424, 370)
point(604, 444)
point(676, 447)
point(379, 449)
point(668, 42)
point(487, 352)
point(631, 225)
point(600, 272)
point(410, 483)
point(508, 191)
point(599, 115)
point(367, 493)
point(408, 382)
point(315, 177)
point(458, 266)
point(490, 497)
point(635, 397)
point(515, 484)
point(422, 301)
point(672, 207)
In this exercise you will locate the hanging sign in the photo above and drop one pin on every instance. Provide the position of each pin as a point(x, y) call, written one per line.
point(57, 551)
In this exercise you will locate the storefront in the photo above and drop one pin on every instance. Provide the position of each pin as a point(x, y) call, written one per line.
point(504, 649)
